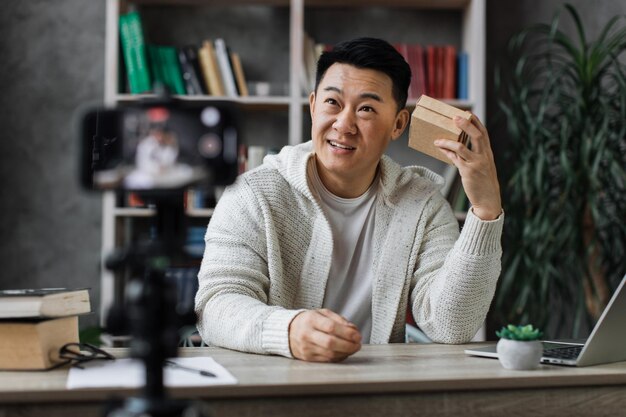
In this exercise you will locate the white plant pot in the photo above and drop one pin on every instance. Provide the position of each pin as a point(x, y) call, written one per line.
point(519, 355)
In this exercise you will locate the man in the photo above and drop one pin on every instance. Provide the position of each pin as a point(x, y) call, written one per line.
point(324, 246)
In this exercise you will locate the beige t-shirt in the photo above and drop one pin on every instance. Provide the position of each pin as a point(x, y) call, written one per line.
point(349, 285)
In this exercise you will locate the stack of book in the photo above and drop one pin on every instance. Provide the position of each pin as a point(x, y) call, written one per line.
point(437, 70)
point(36, 323)
point(211, 69)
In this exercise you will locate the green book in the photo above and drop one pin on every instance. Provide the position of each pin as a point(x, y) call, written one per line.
point(129, 61)
point(172, 66)
point(134, 51)
point(156, 67)
point(165, 72)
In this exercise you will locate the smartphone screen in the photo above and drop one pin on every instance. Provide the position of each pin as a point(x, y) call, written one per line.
point(158, 147)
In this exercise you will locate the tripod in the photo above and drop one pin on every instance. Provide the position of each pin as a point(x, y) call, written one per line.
point(149, 314)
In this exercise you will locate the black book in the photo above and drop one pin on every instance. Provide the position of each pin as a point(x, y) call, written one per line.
point(190, 66)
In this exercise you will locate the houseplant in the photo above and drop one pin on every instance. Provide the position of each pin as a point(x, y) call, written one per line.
point(519, 347)
point(564, 101)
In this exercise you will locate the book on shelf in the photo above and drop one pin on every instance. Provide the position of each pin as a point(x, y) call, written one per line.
point(434, 70)
point(462, 76)
point(189, 64)
point(195, 198)
point(440, 74)
point(158, 75)
point(134, 199)
point(255, 156)
point(433, 119)
point(174, 75)
point(223, 60)
point(35, 344)
point(165, 67)
point(311, 52)
point(242, 158)
point(134, 53)
point(416, 62)
point(403, 49)
point(431, 70)
point(210, 69)
point(449, 72)
point(45, 302)
point(240, 78)
point(252, 156)
point(310, 63)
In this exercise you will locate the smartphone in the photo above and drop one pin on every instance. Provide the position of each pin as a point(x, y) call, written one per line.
point(158, 146)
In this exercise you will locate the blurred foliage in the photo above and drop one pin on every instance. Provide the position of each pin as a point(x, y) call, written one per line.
point(91, 335)
point(522, 333)
point(564, 101)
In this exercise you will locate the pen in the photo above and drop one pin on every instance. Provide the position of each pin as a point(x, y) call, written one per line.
point(186, 368)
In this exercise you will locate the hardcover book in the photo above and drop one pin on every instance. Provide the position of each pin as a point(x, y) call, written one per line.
point(210, 69)
point(35, 344)
point(431, 120)
point(45, 302)
point(134, 52)
point(462, 75)
point(240, 77)
point(188, 58)
point(449, 72)
point(418, 78)
point(174, 76)
point(223, 60)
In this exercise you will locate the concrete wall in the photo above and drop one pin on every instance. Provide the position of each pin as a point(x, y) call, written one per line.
point(52, 61)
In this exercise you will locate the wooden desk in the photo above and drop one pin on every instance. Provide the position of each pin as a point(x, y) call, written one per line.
point(381, 380)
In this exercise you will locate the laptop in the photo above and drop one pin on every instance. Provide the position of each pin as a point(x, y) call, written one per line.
point(607, 342)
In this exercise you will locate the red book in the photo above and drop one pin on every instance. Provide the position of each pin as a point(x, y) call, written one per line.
point(439, 71)
point(449, 72)
point(430, 70)
point(403, 49)
point(416, 62)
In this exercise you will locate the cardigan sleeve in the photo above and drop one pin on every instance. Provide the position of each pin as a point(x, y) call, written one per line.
point(455, 278)
point(231, 302)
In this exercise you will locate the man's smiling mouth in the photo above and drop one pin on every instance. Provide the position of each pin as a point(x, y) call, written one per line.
point(340, 146)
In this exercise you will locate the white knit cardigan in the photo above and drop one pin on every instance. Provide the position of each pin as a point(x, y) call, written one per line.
point(269, 247)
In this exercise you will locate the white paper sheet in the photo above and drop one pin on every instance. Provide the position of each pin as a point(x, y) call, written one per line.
point(129, 373)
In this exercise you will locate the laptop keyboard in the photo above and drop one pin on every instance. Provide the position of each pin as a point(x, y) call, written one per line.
point(567, 352)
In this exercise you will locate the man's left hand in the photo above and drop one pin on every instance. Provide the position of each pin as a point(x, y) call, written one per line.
point(476, 167)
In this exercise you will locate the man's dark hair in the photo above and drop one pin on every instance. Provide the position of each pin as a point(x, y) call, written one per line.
point(370, 53)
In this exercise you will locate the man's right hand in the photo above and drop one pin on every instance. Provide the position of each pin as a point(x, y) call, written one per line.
point(323, 336)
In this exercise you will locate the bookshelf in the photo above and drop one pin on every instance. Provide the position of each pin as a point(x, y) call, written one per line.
point(280, 59)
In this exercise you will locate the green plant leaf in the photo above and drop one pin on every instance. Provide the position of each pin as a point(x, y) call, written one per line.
point(564, 102)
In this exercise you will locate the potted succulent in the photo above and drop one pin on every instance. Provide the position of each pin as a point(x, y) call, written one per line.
point(519, 347)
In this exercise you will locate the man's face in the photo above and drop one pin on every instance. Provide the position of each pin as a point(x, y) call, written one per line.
point(354, 118)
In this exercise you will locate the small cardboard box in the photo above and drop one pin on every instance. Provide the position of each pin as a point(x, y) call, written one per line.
point(431, 120)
